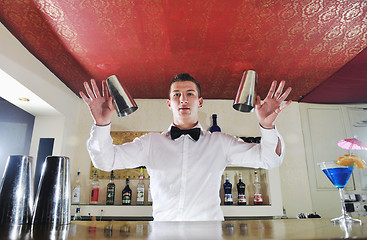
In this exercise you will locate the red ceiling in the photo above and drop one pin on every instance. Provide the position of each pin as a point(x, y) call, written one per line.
point(146, 43)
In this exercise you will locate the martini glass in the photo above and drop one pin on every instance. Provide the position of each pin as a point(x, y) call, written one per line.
point(339, 176)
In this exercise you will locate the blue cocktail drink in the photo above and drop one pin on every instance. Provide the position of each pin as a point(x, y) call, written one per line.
point(339, 176)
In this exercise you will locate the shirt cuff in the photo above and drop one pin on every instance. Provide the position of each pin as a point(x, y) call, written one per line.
point(270, 135)
point(100, 132)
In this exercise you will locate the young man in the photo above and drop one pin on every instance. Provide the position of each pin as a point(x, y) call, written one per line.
point(185, 164)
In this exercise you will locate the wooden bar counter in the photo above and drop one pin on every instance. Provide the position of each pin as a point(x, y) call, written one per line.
point(315, 228)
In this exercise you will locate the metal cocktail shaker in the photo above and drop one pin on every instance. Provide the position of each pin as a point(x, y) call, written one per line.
point(16, 191)
point(53, 198)
point(124, 103)
point(246, 95)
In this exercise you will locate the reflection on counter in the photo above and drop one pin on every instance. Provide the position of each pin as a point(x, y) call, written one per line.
point(316, 228)
point(276, 229)
point(44, 232)
point(130, 230)
point(15, 232)
point(39, 232)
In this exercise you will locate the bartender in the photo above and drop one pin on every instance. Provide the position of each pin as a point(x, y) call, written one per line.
point(186, 162)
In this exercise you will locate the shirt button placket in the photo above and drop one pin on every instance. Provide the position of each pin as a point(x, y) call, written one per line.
point(185, 148)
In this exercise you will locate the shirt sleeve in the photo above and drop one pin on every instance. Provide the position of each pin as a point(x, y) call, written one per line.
point(256, 155)
point(107, 156)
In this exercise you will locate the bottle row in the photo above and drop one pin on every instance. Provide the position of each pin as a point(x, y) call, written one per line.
point(111, 191)
point(241, 186)
point(127, 193)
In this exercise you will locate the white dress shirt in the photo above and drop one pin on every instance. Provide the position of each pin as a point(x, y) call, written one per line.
point(185, 175)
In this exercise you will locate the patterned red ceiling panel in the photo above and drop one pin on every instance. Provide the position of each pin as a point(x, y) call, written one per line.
point(146, 43)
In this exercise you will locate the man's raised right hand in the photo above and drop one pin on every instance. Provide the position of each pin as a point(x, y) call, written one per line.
point(100, 106)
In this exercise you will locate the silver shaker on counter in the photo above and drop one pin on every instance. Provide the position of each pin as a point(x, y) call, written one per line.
point(16, 191)
point(53, 198)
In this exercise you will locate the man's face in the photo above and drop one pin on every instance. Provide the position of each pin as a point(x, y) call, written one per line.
point(184, 102)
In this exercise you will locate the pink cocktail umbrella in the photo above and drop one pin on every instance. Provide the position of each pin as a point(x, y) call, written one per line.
point(352, 144)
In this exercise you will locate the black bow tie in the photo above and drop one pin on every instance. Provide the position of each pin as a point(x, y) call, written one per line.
point(176, 132)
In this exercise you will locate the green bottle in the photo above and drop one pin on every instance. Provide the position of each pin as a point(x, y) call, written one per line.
point(110, 196)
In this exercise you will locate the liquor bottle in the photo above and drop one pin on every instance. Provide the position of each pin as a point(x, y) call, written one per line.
point(77, 216)
point(228, 199)
point(150, 201)
point(214, 127)
point(126, 194)
point(241, 191)
point(258, 200)
point(110, 195)
point(140, 189)
point(95, 189)
point(76, 189)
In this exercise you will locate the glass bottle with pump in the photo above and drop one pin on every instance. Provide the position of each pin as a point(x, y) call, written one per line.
point(150, 201)
point(110, 195)
point(241, 191)
point(228, 199)
point(126, 194)
point(76, 189)
point(258, 200)
point(214, 127)
point(95, 189)
point(140, 189)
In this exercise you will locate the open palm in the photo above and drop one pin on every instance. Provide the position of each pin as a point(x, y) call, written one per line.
point(100, 106)
point(268, 111)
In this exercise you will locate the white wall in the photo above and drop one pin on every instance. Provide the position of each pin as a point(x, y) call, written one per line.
point(48, 127)
point(323, 126)
point(17, 62)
